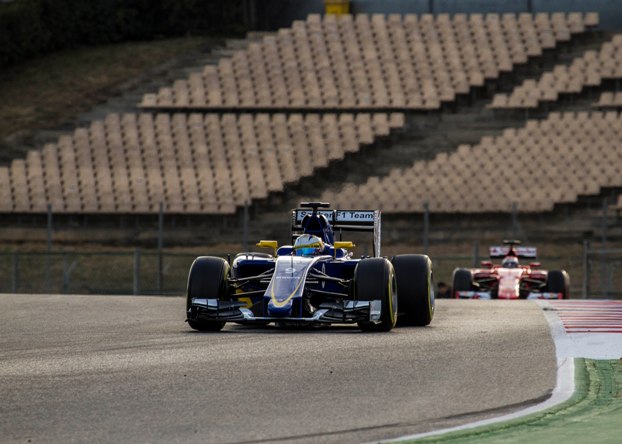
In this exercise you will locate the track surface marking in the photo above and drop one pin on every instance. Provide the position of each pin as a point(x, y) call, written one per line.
point(568, 415)
point(590, 316)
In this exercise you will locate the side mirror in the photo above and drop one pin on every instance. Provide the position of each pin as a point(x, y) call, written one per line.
point(269, 244)
point(535, 264)
point(344, 244)
point(486, 264)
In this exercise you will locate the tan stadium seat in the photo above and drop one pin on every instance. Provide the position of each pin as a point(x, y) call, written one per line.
point(380, 123)
point(181, 93)
point(19, 186)
point(499, 101)
point(560, 26)
point(369, 61)
point(364, 128)
point(135, 169)
point(190, 163)
point(316, 141)
point(546, 34)
point(591, 19)
point(303, 153)
point(257, 181)
point(235, 159)
point(577, 161)
point(529, 34)
point(331, 136)
point(34, 179)
point(69, 179)
point(6, 198)
point(514, 38)
point(285, 149)
point(348, 133)
point(588, 70)
point(267, 148)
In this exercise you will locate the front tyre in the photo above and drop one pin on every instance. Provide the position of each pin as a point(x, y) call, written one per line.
point(415, 289)
point(207, 279)
point(462, 281)
point(558, 281)
point(374, 279)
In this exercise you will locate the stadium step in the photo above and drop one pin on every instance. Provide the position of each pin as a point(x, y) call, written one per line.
point(127, 95)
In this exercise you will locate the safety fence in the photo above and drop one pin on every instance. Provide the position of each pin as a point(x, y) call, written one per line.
point(602, 272)
point(136, 272)
point(597, 273)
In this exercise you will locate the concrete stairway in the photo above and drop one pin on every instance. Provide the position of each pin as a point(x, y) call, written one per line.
point(126, 96)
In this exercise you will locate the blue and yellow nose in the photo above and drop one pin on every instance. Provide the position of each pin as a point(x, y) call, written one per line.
point(280, 310)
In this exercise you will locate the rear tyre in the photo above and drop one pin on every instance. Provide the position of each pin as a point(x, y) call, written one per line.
point(374, 279)
point(415, 289)
point(558, 281)
point(207, 279)
point(462, 281)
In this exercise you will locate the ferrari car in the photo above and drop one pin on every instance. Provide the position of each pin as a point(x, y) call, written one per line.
point(315, 280)
point(510, 279)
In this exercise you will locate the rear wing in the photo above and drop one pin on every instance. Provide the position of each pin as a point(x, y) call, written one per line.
point(343, 220)
point(499, 252)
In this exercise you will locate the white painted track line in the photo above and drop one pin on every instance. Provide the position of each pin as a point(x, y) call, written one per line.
point(580, 329)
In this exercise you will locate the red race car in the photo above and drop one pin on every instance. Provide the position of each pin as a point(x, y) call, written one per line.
point(510, 279)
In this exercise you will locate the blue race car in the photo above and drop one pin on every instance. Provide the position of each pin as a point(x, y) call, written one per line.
point(313, 281)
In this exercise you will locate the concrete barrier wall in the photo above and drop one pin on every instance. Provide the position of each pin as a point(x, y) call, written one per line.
point(280, 13)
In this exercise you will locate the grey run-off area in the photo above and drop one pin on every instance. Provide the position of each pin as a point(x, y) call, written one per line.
point(122, 368)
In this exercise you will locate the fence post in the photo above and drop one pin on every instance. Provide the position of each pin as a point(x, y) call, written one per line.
point(604, 285)
point(475, 254)
point(49, 249)
point(514, 220)
point(136, 286)
point(49, 228)
point(245, 227)
point(65, 275)
point(426, 227)
point(160, 243)
point(15, 273)
point(586, 269)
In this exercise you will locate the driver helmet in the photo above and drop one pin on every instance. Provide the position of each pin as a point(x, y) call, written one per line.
point(308, 245)
point(510, 262)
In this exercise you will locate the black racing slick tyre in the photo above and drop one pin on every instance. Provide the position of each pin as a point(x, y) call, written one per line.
point(415, 289)
point(207, 279)
point(558, 281)
point(374, 279)
point(462, 281)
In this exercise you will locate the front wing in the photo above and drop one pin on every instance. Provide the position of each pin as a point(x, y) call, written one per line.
point(349, 311)
point(487, 295)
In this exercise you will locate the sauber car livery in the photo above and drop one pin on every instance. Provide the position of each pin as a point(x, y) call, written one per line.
point(510, 279)
point(316, 280)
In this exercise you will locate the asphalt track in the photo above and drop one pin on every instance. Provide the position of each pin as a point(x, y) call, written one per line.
point(127, 369)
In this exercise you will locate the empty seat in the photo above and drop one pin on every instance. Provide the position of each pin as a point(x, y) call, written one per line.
point(570, 163)
point(369, 62)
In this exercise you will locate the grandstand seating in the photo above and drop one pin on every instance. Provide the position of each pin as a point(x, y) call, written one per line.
point(370, 62)
point(541, 164)
point(589, 70)
point(236, 132)
point(609, 100)
point(192, 163)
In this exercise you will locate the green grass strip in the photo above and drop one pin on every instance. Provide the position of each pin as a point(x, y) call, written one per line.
point(593, 414)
